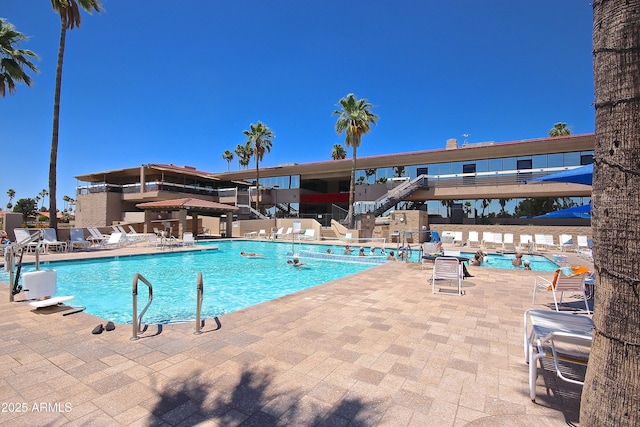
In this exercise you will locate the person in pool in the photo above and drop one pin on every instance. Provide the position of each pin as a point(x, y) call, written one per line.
point(296, 263)
point(361, 252)
point(391, 257)
point(347, 250)
point(527, 264)
point(243, 253)
point(518, 261)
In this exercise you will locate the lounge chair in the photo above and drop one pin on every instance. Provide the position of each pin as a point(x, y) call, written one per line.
point(50, 240)
point(565, 241)
point(277, 233)
point(287, 233)
point(309, 234)
point(566, 279)
point(565, 338)
point(115, 240)
point(497, 240)
point(473, 240)
point(25, 238)
point(262, 233)
point(548, 240)
point(40, 286)
point(540, 242)
point(508, 243)
point(583, 248)
point(487, 239)
point(526, 243)
point(97, 238)
point(447, 268)
point(77, 239)
point(187, 239)
point(457, 238)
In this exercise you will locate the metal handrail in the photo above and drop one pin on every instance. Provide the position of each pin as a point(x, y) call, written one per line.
point(199, 298)
point(137, 320)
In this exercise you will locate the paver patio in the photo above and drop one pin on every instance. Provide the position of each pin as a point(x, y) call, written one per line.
point(375, 348)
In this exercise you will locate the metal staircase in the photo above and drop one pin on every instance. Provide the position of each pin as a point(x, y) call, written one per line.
point(399, 193)
point(253, 211)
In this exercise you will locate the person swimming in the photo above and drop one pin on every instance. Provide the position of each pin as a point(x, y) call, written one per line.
point(252, 254)
point(296, 262)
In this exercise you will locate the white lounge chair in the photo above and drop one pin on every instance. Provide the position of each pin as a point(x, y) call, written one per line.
point(487, 239)
point(97, 238)
point(540, 242)
point(50, 240)
point(473, 240)
point(457, 238)
point(548, 240)
point(497, 241)
point(565, 241)
point(565, 338)
point(447, 268)
point(562, 283)
point(23, 238)
point(309, 234)
point(262, 233)
point(583, 249)
point(277, 233)
point(526, 243)
point(187, 239)
point(508, 243)
point(41, 285)
point(115, 240)
point(77, 240)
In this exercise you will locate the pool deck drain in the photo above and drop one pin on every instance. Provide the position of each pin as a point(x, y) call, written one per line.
point(375, 348)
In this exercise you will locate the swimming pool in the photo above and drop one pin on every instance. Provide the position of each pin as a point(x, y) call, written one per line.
point(503, 261)
point(231, 281)
point(537, 262)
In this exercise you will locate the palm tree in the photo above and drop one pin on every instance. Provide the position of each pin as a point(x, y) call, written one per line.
point(612, 386)
point(70, 18)
point(228, 156)
point(559, 129)
point(259, 139)
point(11, 193)
point(13, 61)
point(355, 120)
point(338, 152)
point(244, 153)
point(44, 193)
point(369, 173)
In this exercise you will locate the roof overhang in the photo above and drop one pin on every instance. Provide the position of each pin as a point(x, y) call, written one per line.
point(189, 204)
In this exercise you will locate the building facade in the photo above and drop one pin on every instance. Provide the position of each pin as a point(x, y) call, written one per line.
point(456, 184)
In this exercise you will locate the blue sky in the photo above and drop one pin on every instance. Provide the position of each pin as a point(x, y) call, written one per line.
point(177, 82)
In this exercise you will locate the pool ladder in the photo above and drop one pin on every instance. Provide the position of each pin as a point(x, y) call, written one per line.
point(137, 319)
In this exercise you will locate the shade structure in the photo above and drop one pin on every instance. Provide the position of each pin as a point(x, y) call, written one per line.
point(583, 211)
point(581, 175)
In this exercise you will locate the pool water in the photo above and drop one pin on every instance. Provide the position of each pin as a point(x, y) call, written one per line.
point(496, 260)
point(231, 281)
point(537, 262)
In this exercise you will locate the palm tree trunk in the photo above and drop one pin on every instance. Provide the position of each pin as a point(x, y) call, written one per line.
point(611, 393)
point(352, 188)
point(53, 159)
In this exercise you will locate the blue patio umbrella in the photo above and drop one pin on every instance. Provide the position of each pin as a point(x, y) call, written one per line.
point(583, 211)
point(581, 175)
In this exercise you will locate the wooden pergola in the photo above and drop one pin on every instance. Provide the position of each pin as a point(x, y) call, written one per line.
point(185, 207)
